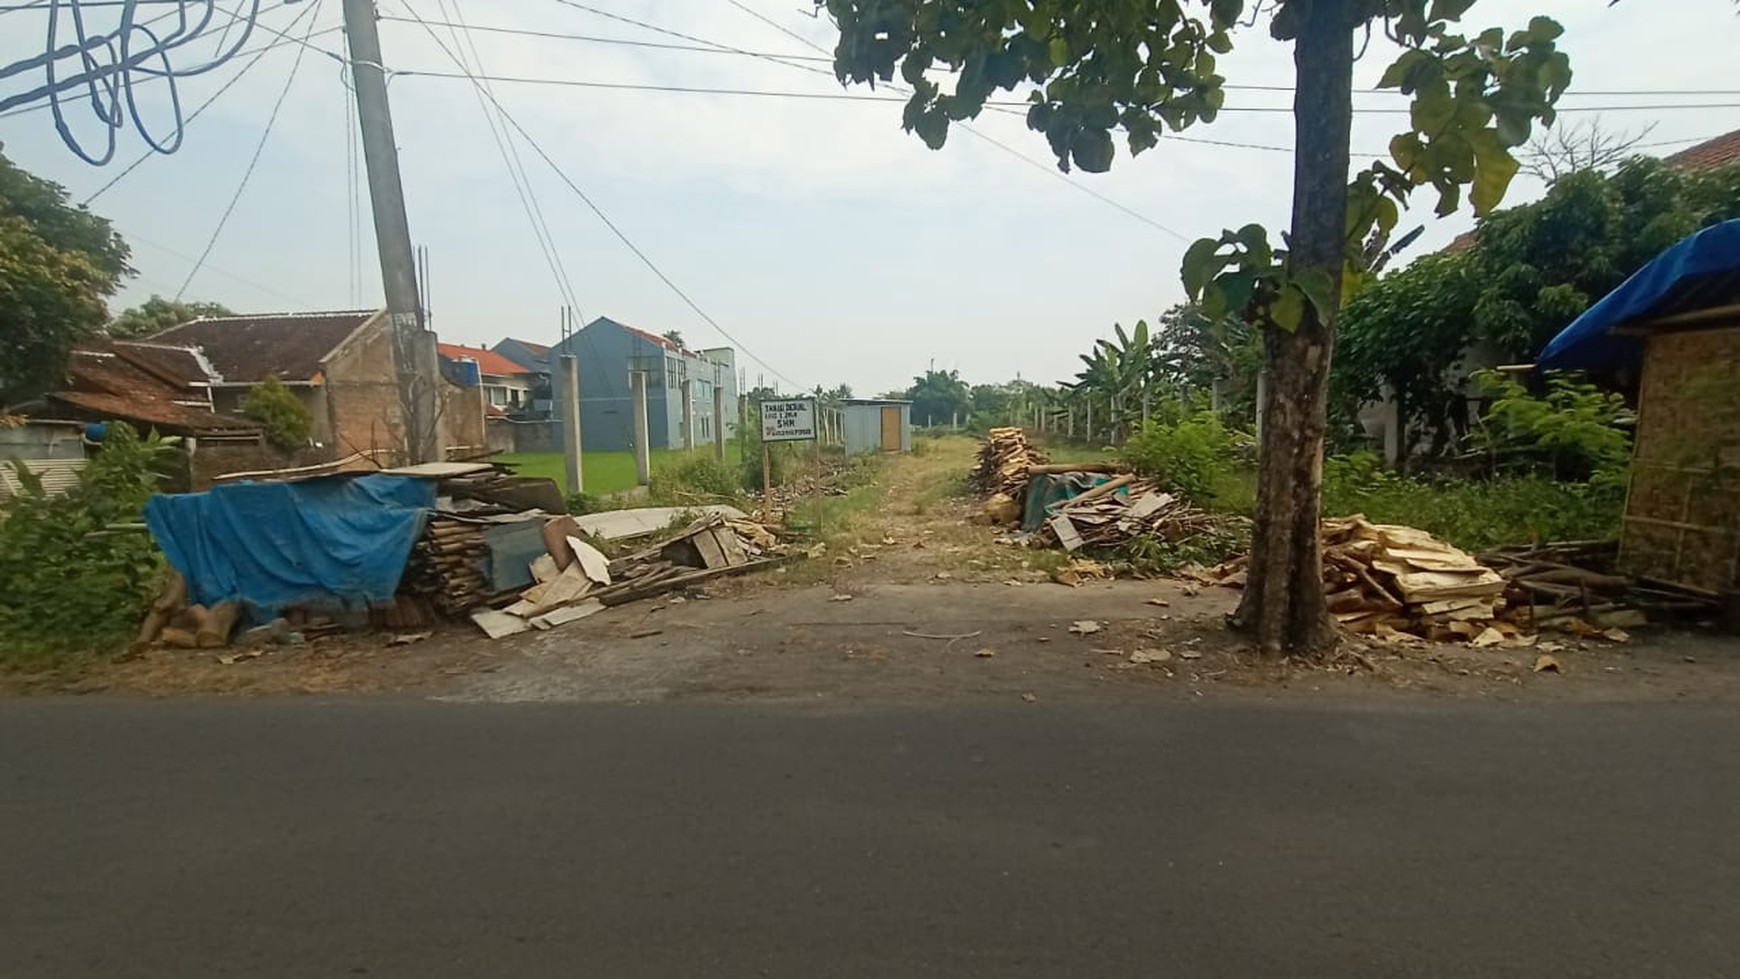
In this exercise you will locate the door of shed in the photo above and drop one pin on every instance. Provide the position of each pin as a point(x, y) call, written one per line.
point(891, 428)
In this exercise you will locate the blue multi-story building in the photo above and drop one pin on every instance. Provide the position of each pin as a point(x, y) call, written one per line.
point(608, 354)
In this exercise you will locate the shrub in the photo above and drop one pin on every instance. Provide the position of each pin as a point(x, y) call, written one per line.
point(1192, 456)
point(279, 413)
point(70, 582)
point(692, 476)
point(1573, 431)
point(1474, 514)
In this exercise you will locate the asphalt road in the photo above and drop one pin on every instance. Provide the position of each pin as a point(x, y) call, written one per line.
point(1245, 839)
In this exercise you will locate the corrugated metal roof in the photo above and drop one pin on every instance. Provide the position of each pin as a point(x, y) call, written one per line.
point(57, 475)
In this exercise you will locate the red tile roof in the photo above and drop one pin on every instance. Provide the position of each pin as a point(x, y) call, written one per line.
point(488, 361)
point(244, 349)
point(1718, 152)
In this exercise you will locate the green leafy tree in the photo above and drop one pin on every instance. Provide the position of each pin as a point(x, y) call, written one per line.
point(58, 266)
point(279, 413)
point(676, 337)
point(1142, 68)
point(1531, 270)
point(937, 396)
point(157, 314)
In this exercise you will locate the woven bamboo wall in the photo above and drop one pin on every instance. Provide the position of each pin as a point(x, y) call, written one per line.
point(1682, 517)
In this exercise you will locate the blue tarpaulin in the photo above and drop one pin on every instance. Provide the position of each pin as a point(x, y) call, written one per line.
point(1700, 271)
point(324, 541)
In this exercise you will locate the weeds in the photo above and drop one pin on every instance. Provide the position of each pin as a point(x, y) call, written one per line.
point(72, 584)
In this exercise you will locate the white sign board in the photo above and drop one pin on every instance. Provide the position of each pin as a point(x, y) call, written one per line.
point(788, 421)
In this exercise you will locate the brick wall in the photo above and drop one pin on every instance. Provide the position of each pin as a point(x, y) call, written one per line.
point(462, 419)
point(210, 458)
point(362, 400)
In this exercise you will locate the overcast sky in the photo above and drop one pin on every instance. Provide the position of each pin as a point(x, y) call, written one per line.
point(830, 244)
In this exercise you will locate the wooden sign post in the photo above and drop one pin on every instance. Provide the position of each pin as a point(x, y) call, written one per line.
point(787, 421)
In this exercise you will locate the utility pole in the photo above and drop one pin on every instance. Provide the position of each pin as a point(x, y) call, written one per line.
point(415, 367)
point(568, 389)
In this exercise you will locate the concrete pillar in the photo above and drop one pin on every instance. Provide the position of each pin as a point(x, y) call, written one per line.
point(642, 433)
point(569, 392)
point(718, 421)
point(689, 440)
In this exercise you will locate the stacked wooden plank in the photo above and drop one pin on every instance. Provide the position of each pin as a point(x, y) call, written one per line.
point(1117, 512)
point(1384, 579)
point(1005, 463)
point(447, 564)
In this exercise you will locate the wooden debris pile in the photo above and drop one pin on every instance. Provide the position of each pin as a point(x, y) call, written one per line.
point(1006, 461)
point(1557, 586)
point(1386, 580)
point(575, 580)
point(1104, 517)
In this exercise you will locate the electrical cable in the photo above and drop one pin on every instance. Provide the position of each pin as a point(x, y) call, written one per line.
point(621, 236)
point(253, 162)
point(195, 114)
point(509, 152)
point(132, 48)
point(852, 97)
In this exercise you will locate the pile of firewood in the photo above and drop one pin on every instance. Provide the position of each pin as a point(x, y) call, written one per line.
point(1006, 461)
point(447, 564)
point(1104, 517)
point(575, 580)
point(1383, 580)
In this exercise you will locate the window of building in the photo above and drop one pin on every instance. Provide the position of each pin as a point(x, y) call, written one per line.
point(497, 395)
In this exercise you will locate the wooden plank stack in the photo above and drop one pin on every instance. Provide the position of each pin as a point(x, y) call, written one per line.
point(1384, 579)
point(447, 564)
point(1005, 463)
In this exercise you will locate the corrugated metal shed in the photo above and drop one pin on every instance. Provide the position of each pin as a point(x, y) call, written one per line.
point(57, 475)
point(875, 425)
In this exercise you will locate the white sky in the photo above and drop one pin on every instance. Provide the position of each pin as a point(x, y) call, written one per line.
point(833, 246)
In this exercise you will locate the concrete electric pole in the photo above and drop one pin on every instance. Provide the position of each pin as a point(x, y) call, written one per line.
point(415, 365)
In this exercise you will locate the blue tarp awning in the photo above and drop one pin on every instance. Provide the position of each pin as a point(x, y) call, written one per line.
point(1700, 271)
point(325, 541)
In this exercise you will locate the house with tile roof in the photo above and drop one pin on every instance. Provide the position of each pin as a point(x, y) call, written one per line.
point(507, 387)
point(339, 364)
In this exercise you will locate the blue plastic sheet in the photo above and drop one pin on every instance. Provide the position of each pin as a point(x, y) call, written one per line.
point(1695, 261)
point(270, 545)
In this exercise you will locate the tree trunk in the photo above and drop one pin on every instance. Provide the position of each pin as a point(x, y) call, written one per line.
point(1283, 605)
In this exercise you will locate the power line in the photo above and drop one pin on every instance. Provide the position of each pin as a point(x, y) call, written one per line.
point(195, 114)
point(703, 46)
point(591, 38)
point(852, 97)
point(253, 162)
point(510, 156)
point(477, 82)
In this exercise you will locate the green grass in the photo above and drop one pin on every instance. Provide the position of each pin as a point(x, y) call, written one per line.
point(604, 472)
